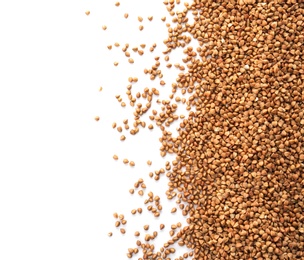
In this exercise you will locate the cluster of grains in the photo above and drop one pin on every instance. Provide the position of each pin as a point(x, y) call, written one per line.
point(239, 155)
point(238, 174)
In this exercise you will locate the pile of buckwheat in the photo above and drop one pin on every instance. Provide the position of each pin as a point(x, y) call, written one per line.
point(238, 173)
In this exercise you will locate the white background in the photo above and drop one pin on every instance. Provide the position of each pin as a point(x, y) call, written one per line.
point(59, 185)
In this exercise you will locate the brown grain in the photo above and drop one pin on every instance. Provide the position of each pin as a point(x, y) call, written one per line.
point(173, 210)
point(146, 227)
point(117, 224)
point(132, 164)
